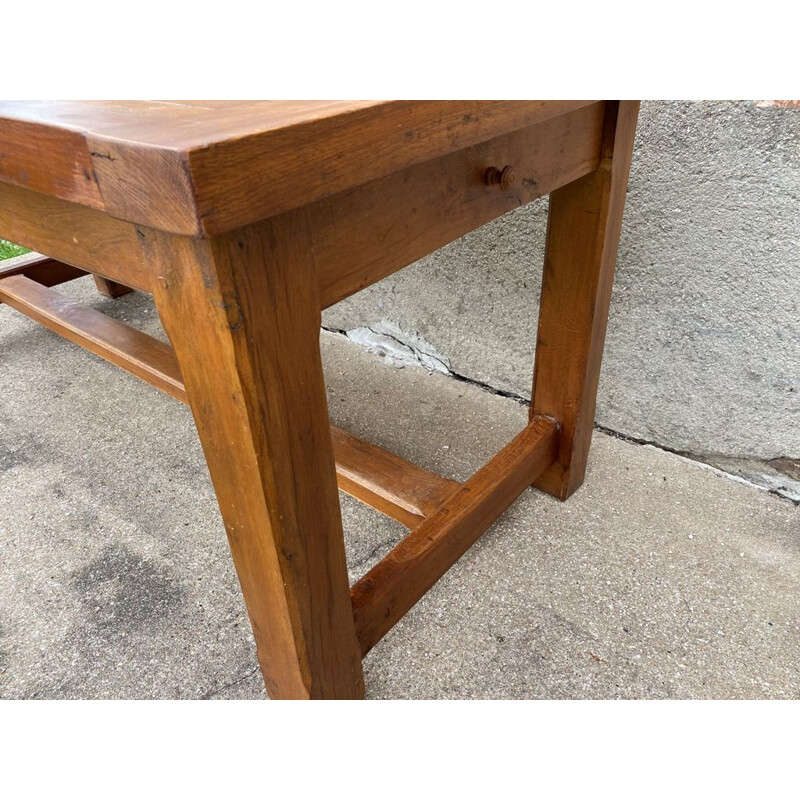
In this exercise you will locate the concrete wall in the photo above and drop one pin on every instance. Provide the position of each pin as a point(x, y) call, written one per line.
point(703, 347)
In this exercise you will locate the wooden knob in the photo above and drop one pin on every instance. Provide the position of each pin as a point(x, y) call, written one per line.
point(503, 177)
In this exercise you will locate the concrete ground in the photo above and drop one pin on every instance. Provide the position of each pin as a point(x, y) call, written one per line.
point(659, 578)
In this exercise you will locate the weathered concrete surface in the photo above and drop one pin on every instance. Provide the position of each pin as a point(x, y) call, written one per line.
point(659, 578)
point(703, 348)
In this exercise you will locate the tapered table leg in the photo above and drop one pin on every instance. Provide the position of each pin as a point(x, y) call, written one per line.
point(243, 316)
point(582, 239)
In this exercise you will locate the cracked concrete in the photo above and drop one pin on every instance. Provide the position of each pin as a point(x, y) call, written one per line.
point(703, 347)
point(659, 578)
point(399, 347)
point(780, 476)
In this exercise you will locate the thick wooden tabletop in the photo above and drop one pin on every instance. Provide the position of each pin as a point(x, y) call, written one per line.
point(203, 168)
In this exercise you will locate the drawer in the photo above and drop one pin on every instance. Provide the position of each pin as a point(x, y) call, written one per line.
point(396, 220)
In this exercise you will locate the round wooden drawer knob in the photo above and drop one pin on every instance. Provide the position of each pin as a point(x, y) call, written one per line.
point(502, 177)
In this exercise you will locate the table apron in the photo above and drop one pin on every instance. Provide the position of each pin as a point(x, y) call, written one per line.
point(74, 234)
point(359, 236)
point(365, 234)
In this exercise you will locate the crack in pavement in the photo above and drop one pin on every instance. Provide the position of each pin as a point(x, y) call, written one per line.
point(378, 547)
point(706, 461)
point(213, 692)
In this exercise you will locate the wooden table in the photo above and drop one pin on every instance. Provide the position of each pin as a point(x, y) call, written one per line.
point(244, 220)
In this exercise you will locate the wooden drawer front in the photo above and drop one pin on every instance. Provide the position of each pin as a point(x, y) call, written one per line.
point(392, 222)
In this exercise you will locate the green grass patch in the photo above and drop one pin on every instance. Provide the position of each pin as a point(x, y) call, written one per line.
point(9, 250)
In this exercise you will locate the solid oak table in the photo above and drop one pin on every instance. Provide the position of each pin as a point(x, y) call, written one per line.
point(244, 220)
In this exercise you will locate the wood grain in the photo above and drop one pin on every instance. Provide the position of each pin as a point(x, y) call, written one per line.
point(74, 234)
point(403, 577)
point(205, 169)
point(51, 160)
point(582, 238)
point(243, 315)
point(111, 288)
point(297, 165)
point(45, 271)
point(136, 352)
point(363, 235)
point(388, 483)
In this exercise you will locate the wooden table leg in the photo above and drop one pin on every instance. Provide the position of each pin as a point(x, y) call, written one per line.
point(110, 288)
point(243, 316)
point(582, 239)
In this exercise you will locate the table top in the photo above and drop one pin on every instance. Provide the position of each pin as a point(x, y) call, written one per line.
point(205, 167)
